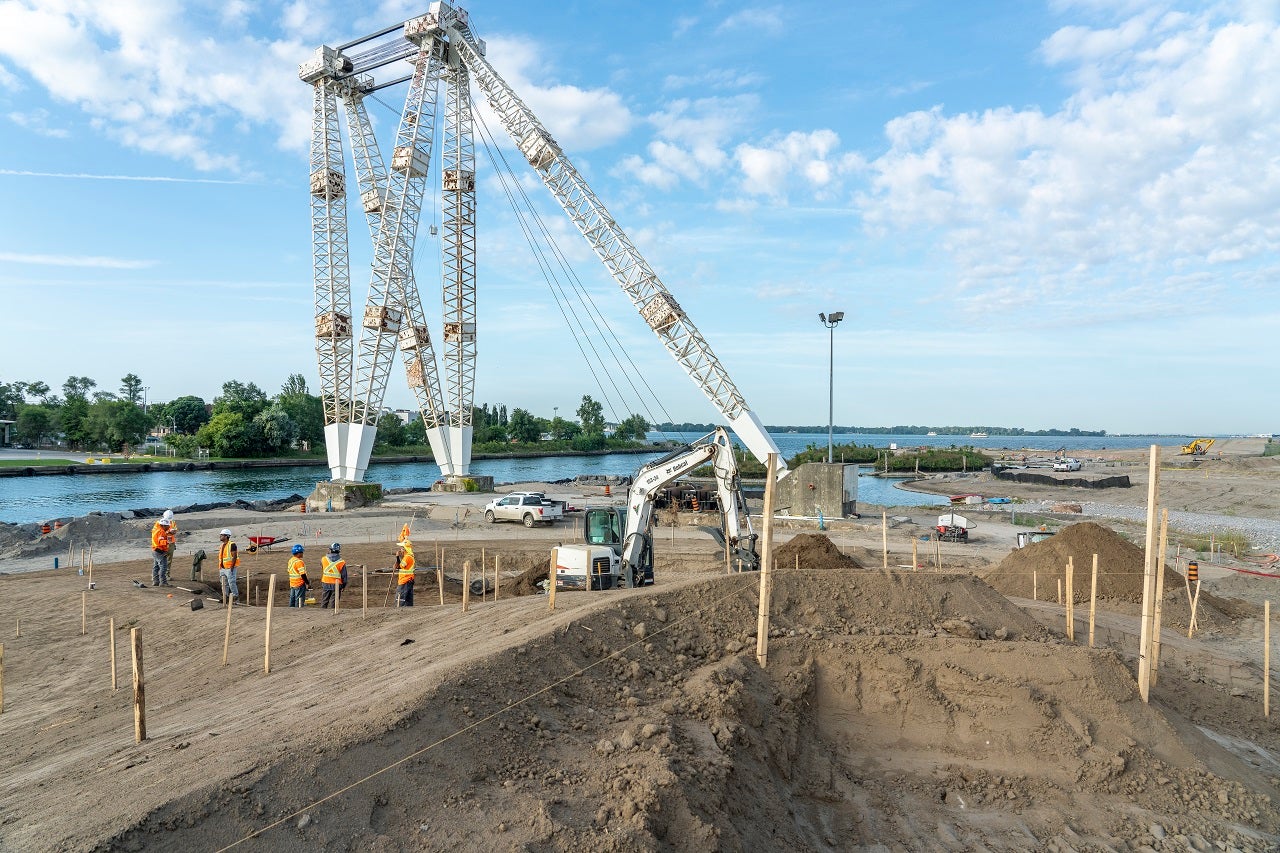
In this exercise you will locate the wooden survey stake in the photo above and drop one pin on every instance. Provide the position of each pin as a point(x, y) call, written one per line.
point(497, 575)
point(551, 576)
point(766, 563)
point(884, 539)
point(111, 644)
point(1266, 658)
point(1149, 576)
point(466, 585)
point(226, 637)
point(1071, 599)
point(266, 640)
point(1093, 598)
point(139, 689)
point(1155, 628)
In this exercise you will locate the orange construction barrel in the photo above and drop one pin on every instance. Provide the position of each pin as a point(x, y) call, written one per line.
point(606, 490)
point(1193, 572)
point(45, 528)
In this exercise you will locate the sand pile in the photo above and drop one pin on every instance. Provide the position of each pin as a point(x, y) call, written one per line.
point(872, 727)
point(814, 551)
point(1120, 569)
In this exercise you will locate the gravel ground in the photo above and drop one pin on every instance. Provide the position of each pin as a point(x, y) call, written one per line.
point(1263, 533)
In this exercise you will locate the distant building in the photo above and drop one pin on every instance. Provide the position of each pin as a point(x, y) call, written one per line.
point(6, 427)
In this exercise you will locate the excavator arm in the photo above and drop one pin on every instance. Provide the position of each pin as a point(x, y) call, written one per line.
point(715, 447)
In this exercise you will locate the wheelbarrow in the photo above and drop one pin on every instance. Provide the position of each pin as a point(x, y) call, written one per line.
point(265, 542)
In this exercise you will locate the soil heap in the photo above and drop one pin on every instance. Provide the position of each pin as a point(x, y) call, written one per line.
point(814, 551)
point(1120, 571)
point(880, 723)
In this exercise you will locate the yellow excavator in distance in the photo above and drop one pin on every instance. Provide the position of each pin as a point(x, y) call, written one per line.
point(1199, 447)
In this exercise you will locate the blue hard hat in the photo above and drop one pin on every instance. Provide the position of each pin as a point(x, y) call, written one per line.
point(335, 548)
point(296, 550)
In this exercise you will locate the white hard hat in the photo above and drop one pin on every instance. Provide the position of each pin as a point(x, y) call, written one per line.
point(164, 522)
point(168, 515)
point(224, 532)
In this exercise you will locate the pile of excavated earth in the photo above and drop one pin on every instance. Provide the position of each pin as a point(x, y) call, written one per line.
point(898, 710)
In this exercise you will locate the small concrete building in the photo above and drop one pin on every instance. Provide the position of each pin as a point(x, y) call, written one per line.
point(819, 488)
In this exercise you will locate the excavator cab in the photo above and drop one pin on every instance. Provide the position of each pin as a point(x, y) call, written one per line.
point(603, 527)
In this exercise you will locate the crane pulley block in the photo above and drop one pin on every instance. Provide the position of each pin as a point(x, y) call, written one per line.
point(464, 332)
point(539, 148)
point(328, 183)
point(383, 318)
point(414, 337)
point(327, 64)
point(459, 180)
point(333, 324)
point(371, 200)
point(661, 311)
point(411, 161)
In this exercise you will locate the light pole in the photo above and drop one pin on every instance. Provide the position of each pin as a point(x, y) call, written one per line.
point(145, 389)
point(831, 321)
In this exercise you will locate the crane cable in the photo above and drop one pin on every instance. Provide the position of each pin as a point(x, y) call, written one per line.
point(594, 312)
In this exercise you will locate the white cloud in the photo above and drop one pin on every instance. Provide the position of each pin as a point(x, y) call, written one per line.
point(37, 121)
point(692, 140)
point(158, 77)
point(767, 20)
point(1162, 160)
point(75, 261)
point(809, 161)
point(91, 177)
point(579, 119)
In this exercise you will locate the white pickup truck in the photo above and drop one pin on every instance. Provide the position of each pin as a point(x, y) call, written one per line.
point(528, 507)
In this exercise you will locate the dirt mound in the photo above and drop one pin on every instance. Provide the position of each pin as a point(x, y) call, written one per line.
point(812, 551)
point(1120, 570)
point(873, 726)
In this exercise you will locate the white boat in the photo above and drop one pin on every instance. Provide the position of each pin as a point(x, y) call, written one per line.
point(977, 435)
point(930, 432)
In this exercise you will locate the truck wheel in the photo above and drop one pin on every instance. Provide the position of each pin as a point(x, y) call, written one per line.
point(528, 519)
point(488, 516)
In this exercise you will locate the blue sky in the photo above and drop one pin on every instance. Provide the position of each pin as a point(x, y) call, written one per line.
point(1032, 214)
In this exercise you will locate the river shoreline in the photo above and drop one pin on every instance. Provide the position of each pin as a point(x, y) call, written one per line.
point(72, 468)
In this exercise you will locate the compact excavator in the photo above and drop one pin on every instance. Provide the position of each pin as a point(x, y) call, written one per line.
point(618, 550)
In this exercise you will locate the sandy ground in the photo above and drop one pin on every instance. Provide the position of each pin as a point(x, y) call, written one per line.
point(900, 710)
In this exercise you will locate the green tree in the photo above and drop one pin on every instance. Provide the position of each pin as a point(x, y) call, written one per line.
point(115, 423)
point(563, 430)
point(35, 425)
point(591, 416)
point(415, 432)
point(230, 434)
point(241, 399)
point(75, 410)
point(306, 410)
point(523, 426)
point(10, 400)
point(131, 388)
point(636, 426)
point(390, 431)
point(490, 434)
point(277, 428)
point(188, 414)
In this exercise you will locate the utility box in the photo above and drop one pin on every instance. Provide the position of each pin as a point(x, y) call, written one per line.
point(817, 489)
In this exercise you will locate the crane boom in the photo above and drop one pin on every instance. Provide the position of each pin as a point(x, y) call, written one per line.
point(657, 307)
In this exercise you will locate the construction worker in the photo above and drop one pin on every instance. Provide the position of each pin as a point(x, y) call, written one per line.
point(172, 535)
point(404, 569)
point(299, 583)
point(333, 574)
point(160, 553)
point(228, 559)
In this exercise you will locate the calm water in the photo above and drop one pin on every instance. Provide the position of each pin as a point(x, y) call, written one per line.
point(27, 499)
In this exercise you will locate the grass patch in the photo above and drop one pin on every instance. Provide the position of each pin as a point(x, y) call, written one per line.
point(1272, 448)
point(1228, 542)
point(1031, 519)
point(37, 463)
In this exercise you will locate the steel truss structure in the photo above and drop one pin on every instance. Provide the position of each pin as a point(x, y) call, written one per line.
point(353, 378)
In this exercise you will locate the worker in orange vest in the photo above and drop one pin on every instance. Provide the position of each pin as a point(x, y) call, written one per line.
point(404, 569)
point(171, 533)
point(333, 574)
point(228, 559)
point(160, 553)
point(299, 583)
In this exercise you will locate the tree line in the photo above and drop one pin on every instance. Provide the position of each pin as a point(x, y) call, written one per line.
point(243, 421)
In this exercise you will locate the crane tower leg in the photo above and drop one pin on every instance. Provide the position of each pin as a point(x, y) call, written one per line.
point(459, 265)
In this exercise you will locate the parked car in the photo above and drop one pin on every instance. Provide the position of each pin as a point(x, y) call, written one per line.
point(1067, 465)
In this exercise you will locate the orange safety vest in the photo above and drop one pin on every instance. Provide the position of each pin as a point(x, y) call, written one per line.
point(172, 533)
point(406, 567)
point(228, 558)
point(296, 570)
point(331, 572)
point(159, 538)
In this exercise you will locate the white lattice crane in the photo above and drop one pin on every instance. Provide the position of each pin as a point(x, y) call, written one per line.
point(353, 378)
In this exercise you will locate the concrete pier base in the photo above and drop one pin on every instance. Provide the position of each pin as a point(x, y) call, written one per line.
point(464, 483)
point(331, 496)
